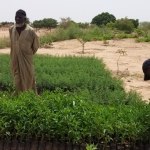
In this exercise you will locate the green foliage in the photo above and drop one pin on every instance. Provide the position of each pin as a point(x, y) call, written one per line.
point(84, 76)
point(144, 39)
point(74, 32)
point(66, 23)
point(45, 23)
point(4, 42)
point(135, 22)
point(86, 104)
point(60, 35)
point(145, 26)
point(6, 23)
point(90, 147)
point(37, 24)
point(103, 19)
point(27, 20)
point(139, 32)
point(110, 25)
point(125, 25)
point(6, 81)
point(85, 25)
point(46, 39)
point(68, 117)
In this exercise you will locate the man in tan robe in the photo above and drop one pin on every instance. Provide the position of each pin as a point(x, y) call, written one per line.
point(24, 44)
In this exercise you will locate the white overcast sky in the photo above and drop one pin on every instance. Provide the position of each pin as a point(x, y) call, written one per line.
point(77, 10)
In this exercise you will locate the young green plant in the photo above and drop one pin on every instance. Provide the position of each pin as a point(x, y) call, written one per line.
point(91, 147)
point(105, 42)
point(121, 52)
point(82, 41)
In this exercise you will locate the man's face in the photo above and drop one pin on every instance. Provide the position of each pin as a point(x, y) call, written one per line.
point(20, 19)
point(148, 71)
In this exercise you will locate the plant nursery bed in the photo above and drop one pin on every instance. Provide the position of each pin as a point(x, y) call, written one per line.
point(57, 145)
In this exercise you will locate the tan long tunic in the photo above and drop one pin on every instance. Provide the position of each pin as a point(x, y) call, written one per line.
point(23, 47)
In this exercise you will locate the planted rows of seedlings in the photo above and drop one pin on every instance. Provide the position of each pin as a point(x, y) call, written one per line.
point(79, 103)
point(84, 76)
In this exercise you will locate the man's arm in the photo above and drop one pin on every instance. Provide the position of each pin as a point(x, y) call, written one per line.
point(10, 30)
point(35, 44)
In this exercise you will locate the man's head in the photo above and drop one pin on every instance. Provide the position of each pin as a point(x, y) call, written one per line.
point(146, 69)
point(20, 18)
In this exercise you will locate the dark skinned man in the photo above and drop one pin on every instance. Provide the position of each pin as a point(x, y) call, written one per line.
point(24, 44)
point(146, 69)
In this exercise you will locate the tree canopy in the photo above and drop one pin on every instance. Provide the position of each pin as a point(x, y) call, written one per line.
point(103, 19)
point(45, 23)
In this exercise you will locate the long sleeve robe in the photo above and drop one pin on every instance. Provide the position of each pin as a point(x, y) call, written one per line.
point(23, 47)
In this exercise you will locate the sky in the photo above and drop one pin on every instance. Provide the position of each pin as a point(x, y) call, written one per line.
point(77, 10)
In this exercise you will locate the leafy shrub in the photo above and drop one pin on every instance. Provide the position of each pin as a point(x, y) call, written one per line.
point(74, 32)
point(46, 39)
point(110, 25)
point(139, 32)
point(59, 35)
point(122, 36)
point(69, 117)
point(125, 25)
point(4, 42)
point(83, 25)
point(66, 23)
point(108, 36)
point(144, 39)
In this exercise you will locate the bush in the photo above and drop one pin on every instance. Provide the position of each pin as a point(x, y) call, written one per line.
point(46, 39)
point(4, 42)
point(74, 32)
point(145, 39)
point(68, 117)
point(59, 35)
point(125, 25)
point(139, 32)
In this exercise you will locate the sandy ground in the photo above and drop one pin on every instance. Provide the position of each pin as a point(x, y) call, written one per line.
point(130, 64)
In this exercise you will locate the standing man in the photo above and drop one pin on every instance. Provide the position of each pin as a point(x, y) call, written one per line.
point(24, 44)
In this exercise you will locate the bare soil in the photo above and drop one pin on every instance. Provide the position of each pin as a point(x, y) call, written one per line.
point(130, 63)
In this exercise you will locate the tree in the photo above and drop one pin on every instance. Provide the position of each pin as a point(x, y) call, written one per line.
point(83, 25)
point(103, 19)
point(66, 22)
point(125, 25)
point(145, 26)
point(45, 23)
point(37, 24)
point(49, 23)
point(6, 23)
point(135, 22)
point(27, 20)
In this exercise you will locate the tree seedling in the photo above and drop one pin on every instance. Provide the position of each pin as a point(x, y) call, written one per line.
point(105, 42)
point(82, 41)
point(91, 147)
point(121, 52)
